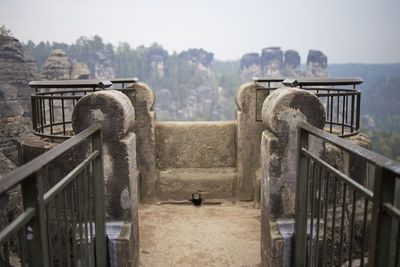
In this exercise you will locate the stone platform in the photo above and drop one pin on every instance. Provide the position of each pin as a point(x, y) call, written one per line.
point(185, 235)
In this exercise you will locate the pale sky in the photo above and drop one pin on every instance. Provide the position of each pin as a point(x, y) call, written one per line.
point(347, 31)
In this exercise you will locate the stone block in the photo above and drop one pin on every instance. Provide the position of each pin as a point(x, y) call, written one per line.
point(212, 183)
point(196, 144)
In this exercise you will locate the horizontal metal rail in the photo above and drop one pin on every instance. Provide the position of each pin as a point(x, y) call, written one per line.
point(338, 218)
point(63, 225)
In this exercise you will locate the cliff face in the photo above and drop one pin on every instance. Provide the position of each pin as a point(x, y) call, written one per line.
point(16, 70)
point(58, 66)
point(273, 62)
point(199, 58)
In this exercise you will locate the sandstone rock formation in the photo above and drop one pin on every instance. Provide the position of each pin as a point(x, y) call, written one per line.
point(200, 58)
point(272, 61)
point(250, 66)
point(157, 56)
point(291, 65)
point(317, 62)
point(58, 66)
point(80, 71)
point(16, 71)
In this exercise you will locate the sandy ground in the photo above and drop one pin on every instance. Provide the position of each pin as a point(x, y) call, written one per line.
point(185, 235)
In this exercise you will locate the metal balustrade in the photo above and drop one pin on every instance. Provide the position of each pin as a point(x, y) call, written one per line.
point(341, 216)
point(342, 104)
point(64, 224)
point(53, 103)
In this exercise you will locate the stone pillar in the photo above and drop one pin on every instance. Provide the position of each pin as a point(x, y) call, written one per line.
point(249, 100)
point(142, 99)
point(114, 111)
point(282, 110)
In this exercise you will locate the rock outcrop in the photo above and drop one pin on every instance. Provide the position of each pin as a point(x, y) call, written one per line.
point(272, 61)
point(58, 66)
point(80, 71)
point(317, 62)
point(16, 70)
point(199, 58)
point(157, 56)
point(250, 66)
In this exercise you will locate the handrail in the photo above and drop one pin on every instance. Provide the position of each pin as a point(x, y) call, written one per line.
point(338, 218)
point(54, 225)
point(71, 84)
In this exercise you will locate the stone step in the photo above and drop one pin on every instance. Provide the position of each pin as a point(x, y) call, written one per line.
point(212, 183)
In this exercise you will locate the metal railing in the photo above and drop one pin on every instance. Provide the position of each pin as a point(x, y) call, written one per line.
point(342, 105)
point(64, 225)
point(341, 216)
point(53, 103)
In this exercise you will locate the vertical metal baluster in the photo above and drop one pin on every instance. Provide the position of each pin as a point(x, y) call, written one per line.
point(314, 184)
point(342, 224)
point(63, 114)
point(22, 245)
point(67, 226)
point(328, 110)
point(358, 111)
point(364, 231)
point(333, 220)
point(85, 212)
point(44, 112)
point(343, 110)
point(79, 219)
point(337, 109)
point(353, 216)
point(73, 222)
point(99, 203)
point(325, 216)
point(51, 114)
point(41, 115)
point(352, 113)
point(90, 203)
point(58, 225)
point(49, 234)
point(331, 118)
point(318, 215)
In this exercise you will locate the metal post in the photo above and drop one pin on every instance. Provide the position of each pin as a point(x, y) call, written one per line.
point(99, 201)
point(300, 230)
point(379, 246)
point(32, 192)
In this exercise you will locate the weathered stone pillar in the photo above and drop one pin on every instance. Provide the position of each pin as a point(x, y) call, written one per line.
point(249, 100)
point(115, 112)
point(282, 110)
point(142, 99)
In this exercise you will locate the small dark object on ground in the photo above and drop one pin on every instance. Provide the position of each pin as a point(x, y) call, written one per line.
point(196, 199)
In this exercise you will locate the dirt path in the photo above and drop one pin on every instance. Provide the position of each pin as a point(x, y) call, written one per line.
point(183, 235)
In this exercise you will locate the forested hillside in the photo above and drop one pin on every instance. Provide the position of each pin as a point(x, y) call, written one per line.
point(192, 85)
point(380, 103)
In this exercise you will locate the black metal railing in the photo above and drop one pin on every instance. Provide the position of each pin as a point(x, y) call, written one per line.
point(345, 217)
point(342, 105)
point(53, 103)
point(63, 225)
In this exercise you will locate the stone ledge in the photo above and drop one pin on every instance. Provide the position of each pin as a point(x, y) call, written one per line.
point(212, 183)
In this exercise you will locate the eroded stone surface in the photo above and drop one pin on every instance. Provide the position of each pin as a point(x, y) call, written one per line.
point(196, 144)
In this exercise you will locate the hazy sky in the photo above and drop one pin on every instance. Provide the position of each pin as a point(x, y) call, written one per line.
point(361, 31)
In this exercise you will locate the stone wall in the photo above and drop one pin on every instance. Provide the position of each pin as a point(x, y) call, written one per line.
point(195, 144)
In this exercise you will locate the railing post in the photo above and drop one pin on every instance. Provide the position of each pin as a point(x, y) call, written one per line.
point(300, 230)
point(36, 230)
point(99, 201)
point(379, 246)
